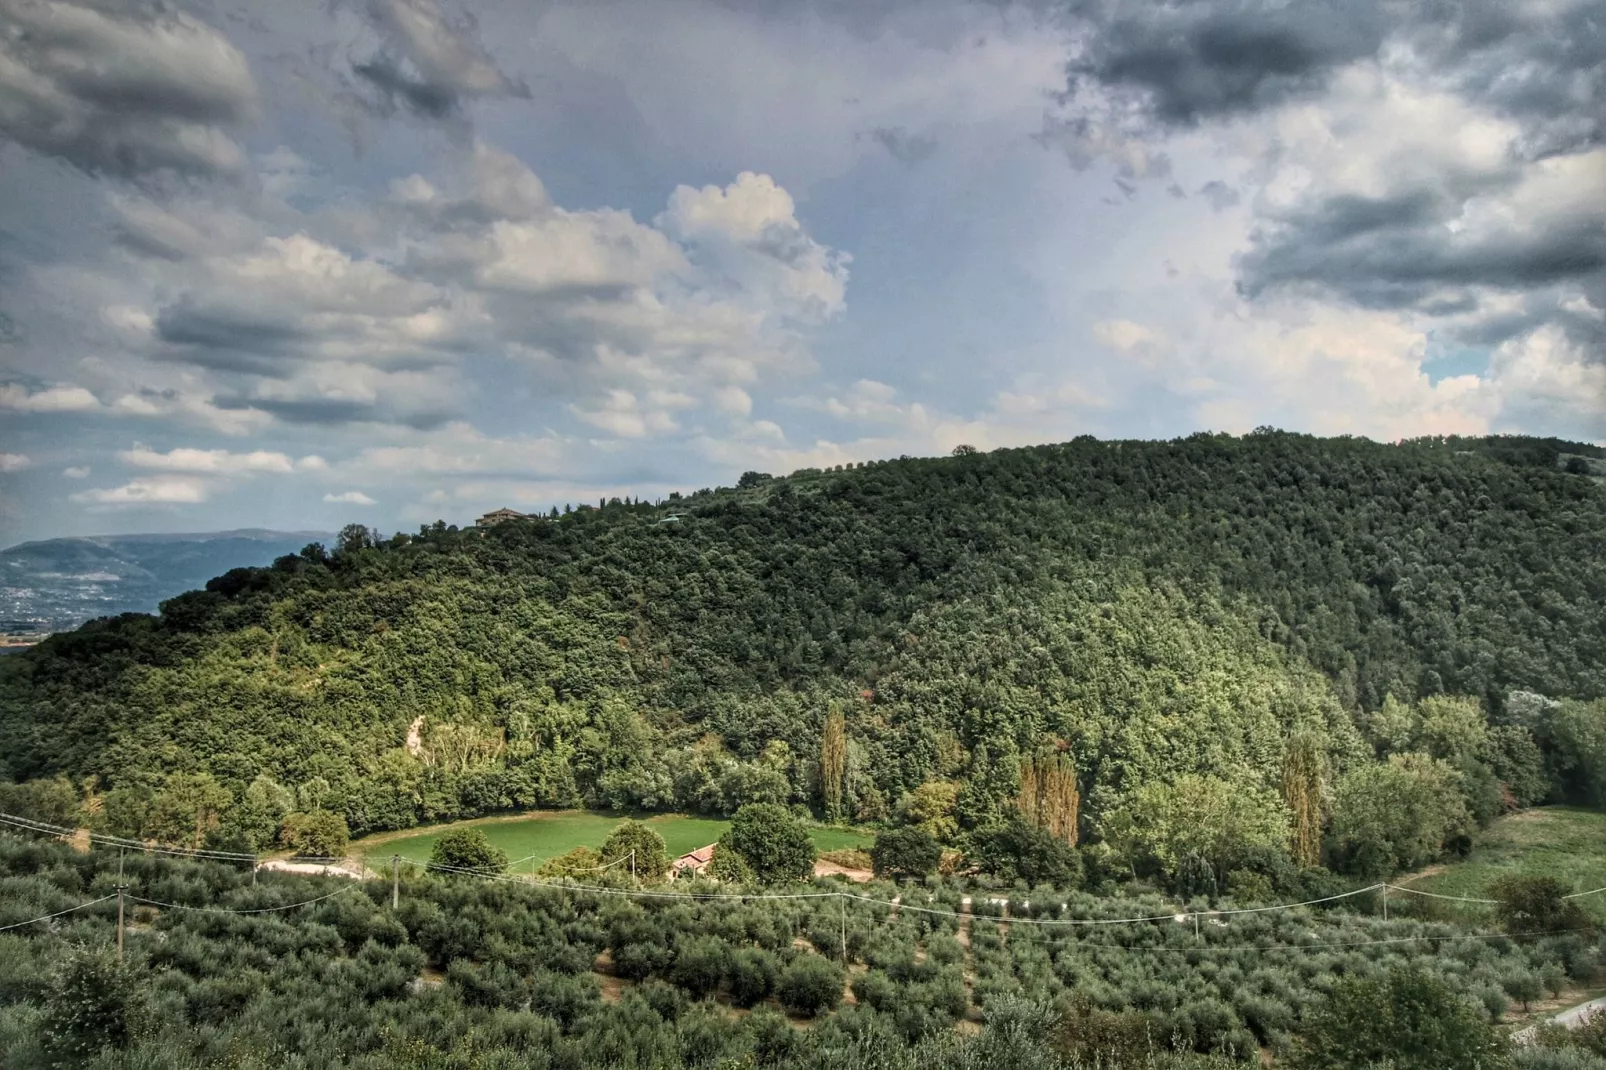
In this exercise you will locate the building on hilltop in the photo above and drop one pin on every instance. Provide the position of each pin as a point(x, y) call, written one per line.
point(496, 516)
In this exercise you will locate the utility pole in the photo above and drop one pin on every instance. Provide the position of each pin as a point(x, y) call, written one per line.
point(1385, 902)
point(119, 923)
point(1196, 926)
point(843, 903)
point(395, 882)
point(632, 867)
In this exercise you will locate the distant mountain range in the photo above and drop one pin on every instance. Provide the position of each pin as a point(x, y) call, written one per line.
point(57, 584)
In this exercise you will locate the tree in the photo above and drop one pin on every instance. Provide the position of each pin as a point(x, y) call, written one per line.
point(1396, 815)
point(728, 866)
point(354, 537)
point(1048, 796)
point(1536, 905)
point(579, 863)
point(1198, 820)
point(964, 450)
point(318, 834)
point(933, 806)
point(53, 801)
point(94, 1002)
point(753, 976)
point(833, 763)
point(651, 857)
point(1304, 770)
point(905, 852)
point(772, 841)
point(753, 479)
point(1406, 1018)
point(811, 984)
point(468, 849)
point(1016, 850)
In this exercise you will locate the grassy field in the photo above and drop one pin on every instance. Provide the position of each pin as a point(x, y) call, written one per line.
point(1554, 841)
point(547, 834)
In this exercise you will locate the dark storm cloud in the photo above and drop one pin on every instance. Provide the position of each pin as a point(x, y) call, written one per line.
point(125, 89)
point(336, 411)
point(227, 339)
point(427, 64)
point(904, 146)
point(1175, 66)
point(1194, 61)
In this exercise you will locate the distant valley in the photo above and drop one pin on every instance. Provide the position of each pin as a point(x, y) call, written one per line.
point(56, 584)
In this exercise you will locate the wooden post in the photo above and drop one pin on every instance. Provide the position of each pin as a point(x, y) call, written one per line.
point(119, 923)
point(842, 901)
point(395, 882)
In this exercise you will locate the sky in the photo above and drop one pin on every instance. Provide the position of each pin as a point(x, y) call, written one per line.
point(301, 263)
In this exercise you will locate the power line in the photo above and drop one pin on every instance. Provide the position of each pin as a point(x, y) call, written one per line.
point(251, 910)
point(57, 914)
point(119, 841)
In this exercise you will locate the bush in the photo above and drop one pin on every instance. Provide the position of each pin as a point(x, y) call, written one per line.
point(810, 985)
point(1534, 905)
point(93, 1003)
point(317, 834)
point(1406, 1018)
point(467, 849)
point(905, 852)
point(700, 965)
point(753, 975)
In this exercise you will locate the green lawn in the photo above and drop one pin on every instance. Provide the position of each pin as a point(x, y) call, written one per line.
point(547, 834)
point(1554, 841)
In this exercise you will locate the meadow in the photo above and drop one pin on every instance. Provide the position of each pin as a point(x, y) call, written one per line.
point(549, 833)
point(1564, 842)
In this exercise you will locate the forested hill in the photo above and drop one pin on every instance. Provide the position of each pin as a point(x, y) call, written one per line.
point(1148, 608)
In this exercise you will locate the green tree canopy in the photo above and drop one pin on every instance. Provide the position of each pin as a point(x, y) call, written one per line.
point(772, 841)
point(1405, 1018)
point(905, 852)
point(635, 844)
point(468, 849)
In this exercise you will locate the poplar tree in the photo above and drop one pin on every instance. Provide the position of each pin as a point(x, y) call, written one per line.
point(1304, 769)
point(1048, 797)
point(833, 763)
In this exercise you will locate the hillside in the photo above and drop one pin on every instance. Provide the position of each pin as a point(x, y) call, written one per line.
point(1151, 609)
point(56, 584)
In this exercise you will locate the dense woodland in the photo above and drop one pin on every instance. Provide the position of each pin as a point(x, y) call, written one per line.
point(1242, 656)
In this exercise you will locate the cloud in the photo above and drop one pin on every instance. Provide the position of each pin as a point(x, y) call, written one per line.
point(13, 462)
point(1220, 195)
point(427, 65)
point(60, 398)
point(179, 490)
point(76, 472)
point(122, 89)
point(904, 146)
point(349, 497)
point(1196, 61)
point(219, 462)
point(459, 450)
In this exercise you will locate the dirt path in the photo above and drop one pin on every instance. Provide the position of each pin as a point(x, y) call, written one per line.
point(831, 869)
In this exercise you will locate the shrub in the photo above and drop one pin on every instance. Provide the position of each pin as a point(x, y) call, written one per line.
point(1535, 905)
point(467, 849)
point(700, 965)
point(1406, 1017)
point(93, 1003)
point(810, 985)
point(753, 975)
